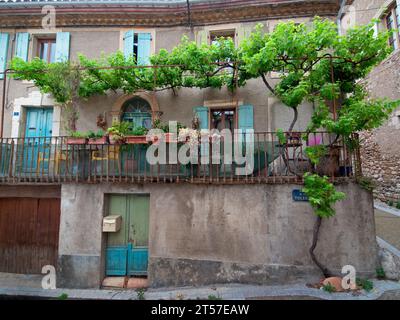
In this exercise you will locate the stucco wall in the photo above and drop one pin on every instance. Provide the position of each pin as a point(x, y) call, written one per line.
point(203, 234)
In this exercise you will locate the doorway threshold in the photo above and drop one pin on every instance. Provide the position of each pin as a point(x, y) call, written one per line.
point(125, 283)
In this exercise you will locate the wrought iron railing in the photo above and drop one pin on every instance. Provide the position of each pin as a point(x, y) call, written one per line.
point(61, 160)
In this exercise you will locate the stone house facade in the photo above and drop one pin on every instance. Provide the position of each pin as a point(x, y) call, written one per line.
point(381, 148)
point(176, 231)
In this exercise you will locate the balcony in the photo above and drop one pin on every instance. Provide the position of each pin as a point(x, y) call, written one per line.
point(57, 160)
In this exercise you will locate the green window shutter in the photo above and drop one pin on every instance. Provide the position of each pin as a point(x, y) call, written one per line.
point(62, 46)
point(202, 114)
point(3, 52)
point(246, 117)
point(128, 44)
point(22, 45)
point(202, 37)
point(144, 49)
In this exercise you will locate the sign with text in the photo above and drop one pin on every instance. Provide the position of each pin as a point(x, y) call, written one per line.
point(298, 195)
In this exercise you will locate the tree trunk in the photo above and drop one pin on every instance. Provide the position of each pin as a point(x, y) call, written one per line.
point(295, 117)
point(323, 268)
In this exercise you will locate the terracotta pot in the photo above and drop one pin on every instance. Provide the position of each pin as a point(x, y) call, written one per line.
point(72, 140)
point(329, 164)
point(335, 282)
point(136, 140)
point(102, 140)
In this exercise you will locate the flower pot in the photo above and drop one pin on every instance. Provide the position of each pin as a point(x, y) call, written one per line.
point(136, 140)
point(102, 140)
point(72, 140)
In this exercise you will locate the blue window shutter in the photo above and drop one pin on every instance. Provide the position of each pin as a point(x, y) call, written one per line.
point(22, 45)
point(202, 114)
point(144, 49)
point(3, 52)
point(246, 117)
point(62, 46)
point(128, 43)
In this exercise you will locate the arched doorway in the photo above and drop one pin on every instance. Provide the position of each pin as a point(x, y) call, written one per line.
point(137, 111)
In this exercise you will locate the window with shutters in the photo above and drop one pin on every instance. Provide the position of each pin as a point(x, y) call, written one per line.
point(138, 44)
point(391, 20)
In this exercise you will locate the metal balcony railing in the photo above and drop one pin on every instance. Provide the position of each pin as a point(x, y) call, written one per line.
point(261, 158)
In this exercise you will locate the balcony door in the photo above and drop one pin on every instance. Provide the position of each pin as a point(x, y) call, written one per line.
point(38, 131)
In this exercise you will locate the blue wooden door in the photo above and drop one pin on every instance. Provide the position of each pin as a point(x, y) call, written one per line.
point(38, 133)
point(127, 249)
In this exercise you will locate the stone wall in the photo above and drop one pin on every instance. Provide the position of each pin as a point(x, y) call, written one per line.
point(380, 151)
point(203, 234)
point(381, 147)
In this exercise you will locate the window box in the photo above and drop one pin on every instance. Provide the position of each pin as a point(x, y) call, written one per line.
point(73, 140)
point(136, 140)
point(102, 140)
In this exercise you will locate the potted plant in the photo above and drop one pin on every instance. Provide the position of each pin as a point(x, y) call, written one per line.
point(117, 132)
point(136, 136)
point(77, 137)
point(170, 137)
point(98, 137)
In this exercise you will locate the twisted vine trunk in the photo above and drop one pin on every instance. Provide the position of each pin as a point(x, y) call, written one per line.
point(316, 229)
point(295, 117)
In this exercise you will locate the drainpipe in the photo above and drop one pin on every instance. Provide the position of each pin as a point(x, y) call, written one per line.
point(339, 16)
point(3, 102)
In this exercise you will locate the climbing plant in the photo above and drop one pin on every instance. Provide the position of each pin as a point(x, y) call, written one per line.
point(315, 65)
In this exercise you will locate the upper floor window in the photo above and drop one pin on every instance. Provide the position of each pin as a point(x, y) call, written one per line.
point(223, 119)
point(392, 22)
point(138, 45)
point(47, 49)
point(215, 35)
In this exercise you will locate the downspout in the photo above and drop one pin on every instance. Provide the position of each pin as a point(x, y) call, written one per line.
point(339, 16)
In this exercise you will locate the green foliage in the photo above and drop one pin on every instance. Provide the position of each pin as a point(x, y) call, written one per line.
point(391, 203)
point(328, 288)
point(138, 131)
point(315, 153)
point(380, 273)
point(63, 296)
point(366, 284)
point(120, 128)
point(214, 297)
point(366, 183)
point(94, 135)
point(140, 294)
point(78, 134)
point(281, 136)
point(321, 194)
point(398, 204)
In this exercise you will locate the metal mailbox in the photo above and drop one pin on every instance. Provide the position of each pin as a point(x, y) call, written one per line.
point(112, 223)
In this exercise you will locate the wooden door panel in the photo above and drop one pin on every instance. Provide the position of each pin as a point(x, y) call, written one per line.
point(29, 229)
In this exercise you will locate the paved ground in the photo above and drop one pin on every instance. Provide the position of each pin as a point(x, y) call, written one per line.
point(382, 290)
point(388, 226)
